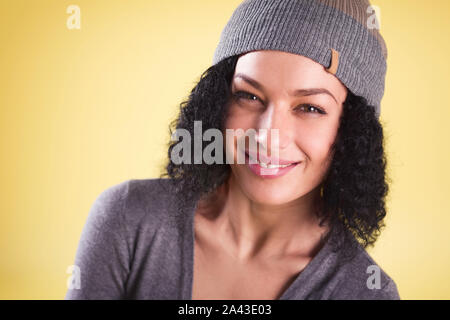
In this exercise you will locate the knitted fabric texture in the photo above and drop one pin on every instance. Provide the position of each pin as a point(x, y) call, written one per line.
point(341, 35)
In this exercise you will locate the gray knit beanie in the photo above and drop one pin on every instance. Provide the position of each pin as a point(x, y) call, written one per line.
point(341, 35)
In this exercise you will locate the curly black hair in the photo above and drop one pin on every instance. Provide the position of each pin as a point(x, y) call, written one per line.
point(354, 190)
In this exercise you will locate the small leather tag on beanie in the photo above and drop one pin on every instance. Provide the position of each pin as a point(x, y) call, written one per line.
point(334, 62)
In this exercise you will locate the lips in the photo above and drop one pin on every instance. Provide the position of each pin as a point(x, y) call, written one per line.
point(264, 160)
point(270, 172)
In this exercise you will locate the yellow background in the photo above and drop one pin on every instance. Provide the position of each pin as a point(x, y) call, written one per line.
point(81, 110)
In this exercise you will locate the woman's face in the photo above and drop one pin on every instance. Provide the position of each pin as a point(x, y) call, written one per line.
point(297, 96)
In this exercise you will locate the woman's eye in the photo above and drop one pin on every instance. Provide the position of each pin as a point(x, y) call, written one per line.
point(246, 96)
point(311, 108)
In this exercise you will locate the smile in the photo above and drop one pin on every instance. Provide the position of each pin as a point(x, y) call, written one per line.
point(265, 170)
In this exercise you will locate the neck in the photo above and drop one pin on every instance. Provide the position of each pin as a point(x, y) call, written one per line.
point(255, 229)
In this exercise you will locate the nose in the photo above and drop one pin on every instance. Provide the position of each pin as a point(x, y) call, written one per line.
point(274, 129)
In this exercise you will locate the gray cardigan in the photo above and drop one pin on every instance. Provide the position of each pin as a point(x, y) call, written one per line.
point(133, 246)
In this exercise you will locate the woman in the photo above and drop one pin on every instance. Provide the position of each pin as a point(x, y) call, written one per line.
point(290, 223)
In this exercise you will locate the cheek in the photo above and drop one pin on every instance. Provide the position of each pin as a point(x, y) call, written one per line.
point(238, 118)
point(316, 145)
point(235, 123)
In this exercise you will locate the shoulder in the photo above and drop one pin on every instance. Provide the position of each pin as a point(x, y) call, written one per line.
point(362, 278)
point(121, 217)
point(135, 193)
point(129, 204)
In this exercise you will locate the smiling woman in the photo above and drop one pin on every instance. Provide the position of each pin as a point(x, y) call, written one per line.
point(297, 227)
point(304, 134)
point(294, 223)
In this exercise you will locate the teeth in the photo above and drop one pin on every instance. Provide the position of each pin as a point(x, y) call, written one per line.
point(272, 166)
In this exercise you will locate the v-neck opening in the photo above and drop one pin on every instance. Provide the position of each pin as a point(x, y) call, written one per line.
point(289, 292)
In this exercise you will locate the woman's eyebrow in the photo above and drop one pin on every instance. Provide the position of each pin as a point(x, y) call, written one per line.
point(298, 92)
